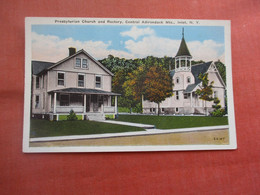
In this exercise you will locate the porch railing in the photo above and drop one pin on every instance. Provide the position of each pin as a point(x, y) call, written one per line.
point(67, 109)
point(109, 109)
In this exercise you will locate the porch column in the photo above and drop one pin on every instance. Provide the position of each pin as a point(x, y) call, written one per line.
point(191, 99)
point(54, 103)
point(84, 104)
point(116, 104)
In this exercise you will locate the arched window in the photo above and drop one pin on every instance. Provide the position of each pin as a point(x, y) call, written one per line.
point(188, 79)
point(177, 80)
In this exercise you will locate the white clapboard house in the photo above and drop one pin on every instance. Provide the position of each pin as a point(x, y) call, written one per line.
point(186, 82)
point(78, 82)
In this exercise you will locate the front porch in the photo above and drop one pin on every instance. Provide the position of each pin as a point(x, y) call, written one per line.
point(85, 102)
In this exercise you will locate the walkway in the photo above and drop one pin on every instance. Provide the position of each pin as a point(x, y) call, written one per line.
point(145, 126)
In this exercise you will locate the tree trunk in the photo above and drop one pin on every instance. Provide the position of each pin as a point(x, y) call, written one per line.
point(158, 109)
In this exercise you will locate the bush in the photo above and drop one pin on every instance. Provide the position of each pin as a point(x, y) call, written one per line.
point(138, 108)
point(218, 113)
point(72, 116)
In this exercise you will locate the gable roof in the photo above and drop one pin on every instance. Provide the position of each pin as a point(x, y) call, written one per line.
point(183, 49)
point(44, 66)
point(196, 70)
point(39, 66)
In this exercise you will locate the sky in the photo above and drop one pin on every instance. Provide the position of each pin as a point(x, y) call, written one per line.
point(51, 42)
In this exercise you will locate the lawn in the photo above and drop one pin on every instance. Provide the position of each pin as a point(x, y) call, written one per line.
point(174, 122)
point(44, 128)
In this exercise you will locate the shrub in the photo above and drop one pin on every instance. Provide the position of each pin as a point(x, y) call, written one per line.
point(218, 113)
point(72, 116)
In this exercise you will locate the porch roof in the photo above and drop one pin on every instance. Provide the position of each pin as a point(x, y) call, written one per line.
point(84, 91)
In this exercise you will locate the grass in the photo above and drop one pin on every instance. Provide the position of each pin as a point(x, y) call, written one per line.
point(174, 122)
point(64, 117)
point(44, 128)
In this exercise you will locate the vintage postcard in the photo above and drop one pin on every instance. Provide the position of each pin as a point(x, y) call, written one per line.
point(108, 84)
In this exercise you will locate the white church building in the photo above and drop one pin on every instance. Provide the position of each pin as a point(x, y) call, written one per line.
point(186, 82)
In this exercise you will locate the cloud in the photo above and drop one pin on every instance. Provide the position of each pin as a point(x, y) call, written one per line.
point(207, 50)
point(52, 48)
point(157, 46)
point(137, 32)
point(152, 45)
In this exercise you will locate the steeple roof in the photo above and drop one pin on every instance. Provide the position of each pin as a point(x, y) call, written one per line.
point(183, 49)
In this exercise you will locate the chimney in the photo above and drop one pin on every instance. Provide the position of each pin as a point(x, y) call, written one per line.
point(72, 51)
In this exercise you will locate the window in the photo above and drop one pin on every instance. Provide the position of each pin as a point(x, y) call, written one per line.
point(177, 95)
point(61, 78)
point(78, 62)
point(98, 81)
point(81, 80)
point(182, 63)
point(64, 100)
point(177, 80)
point(188, 80)
point(162, 109)
point(215, 95)
point(177, 110)
point(37, 101)
point(84, 63)
point(185, 96)
point(153, 109)
point(37, 82)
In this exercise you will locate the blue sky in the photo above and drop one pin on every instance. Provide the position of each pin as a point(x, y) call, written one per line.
point(127, 41)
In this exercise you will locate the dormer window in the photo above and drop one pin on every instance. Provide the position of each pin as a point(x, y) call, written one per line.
point(84, 63)
point(81, 63)
point(78, 62)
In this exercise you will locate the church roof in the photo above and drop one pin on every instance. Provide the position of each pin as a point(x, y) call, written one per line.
point(183, 49)
point(196, 70)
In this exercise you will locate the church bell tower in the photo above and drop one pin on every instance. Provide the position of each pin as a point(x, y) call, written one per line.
point(183, 56)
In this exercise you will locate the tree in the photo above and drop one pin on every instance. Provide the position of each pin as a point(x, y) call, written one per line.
point(134, 84)
point(158, 85)
point(218, 111)
point(205, 92)
point(221, 69)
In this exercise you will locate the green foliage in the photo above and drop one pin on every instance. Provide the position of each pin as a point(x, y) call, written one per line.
point(72, 116)
point(218, 111)
point(221, 69)
point(158, 84)
point(65, 117)
point(205, 92)
point(45, 128)
point(138, 108)
point(175, 122)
